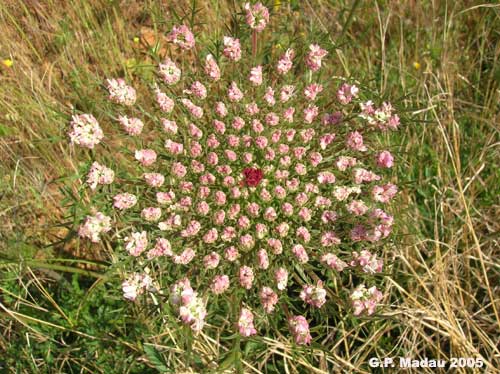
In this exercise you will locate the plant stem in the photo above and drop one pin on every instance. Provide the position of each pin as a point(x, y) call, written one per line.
point(350, 16)
point(254, 44)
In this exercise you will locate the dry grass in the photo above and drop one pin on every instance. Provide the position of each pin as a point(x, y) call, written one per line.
point(443, 290)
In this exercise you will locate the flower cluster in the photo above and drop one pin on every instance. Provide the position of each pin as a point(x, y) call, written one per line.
point(248, 177)
point(365, 300)
point(99, 174)
point(245, 323)
point(120, 92)
point(190, 306)
point(136, 284)
point(299, 327)
point(257, 16)
point(85, 131)
point(182, 36)
point(93, 226)
point(314, 295)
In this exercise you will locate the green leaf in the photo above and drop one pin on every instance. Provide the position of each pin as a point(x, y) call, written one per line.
point(5, 131)
point(253, 346)
point(229, 361)
point(155, 358)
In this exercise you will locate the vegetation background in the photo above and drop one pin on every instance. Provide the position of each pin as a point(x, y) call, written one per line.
point(62, 313)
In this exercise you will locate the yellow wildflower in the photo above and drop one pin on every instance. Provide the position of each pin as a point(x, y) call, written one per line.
point(8, 62)
point(130, 63)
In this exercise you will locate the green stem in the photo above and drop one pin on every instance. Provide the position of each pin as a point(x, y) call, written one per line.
point(68, 269)
point(237, 347)
point(350, 16)
point(254, 44)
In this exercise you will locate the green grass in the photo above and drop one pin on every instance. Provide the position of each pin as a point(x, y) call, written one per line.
point(61, 308)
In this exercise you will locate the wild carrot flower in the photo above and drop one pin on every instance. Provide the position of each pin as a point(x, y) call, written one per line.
point(193, 313)
point(364, 176)
point(234, 93)
point(344, 162)
point(357, 207)
point(185, 257)
point(244, 174)
point(383, 117)
point(252, 176)
point(198, 90)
